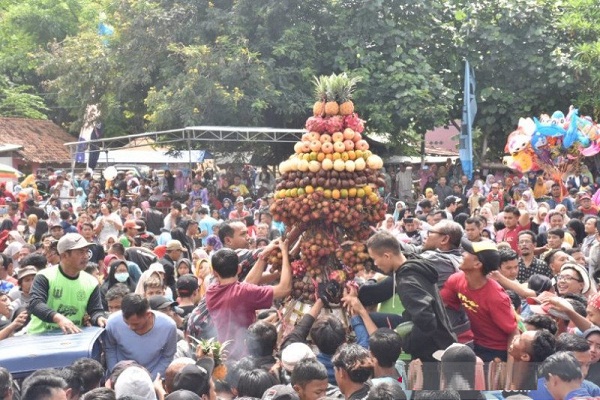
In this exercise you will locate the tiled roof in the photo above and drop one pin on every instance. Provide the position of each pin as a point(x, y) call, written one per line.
point(42, 140)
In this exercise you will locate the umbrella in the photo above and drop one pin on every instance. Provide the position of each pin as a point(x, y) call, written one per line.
point(8, 172)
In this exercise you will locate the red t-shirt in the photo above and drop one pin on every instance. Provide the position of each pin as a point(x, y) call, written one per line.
point(489, 309)
point(233, 309)
point(511, 236)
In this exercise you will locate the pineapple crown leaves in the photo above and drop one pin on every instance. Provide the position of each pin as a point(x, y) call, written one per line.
point(218, 349)
point(321, 84)
point(335, 87)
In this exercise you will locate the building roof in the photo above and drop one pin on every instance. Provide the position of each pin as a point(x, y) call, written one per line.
point(42, 141)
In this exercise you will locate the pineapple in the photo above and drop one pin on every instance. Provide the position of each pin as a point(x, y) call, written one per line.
point(333, 85)
point(321, 95)
point(203, 348)
point(345, 94)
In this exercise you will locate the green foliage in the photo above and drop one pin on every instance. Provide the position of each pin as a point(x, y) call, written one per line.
point(17, 101)
point(171, 64)
point(521, 61)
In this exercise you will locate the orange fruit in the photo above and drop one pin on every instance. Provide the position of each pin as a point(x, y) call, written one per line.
point(352, 192)
point(352, 155)
point(313, 156)
point(300, 191)
point(319, 189)
point(335, 194)
point(329, 156)
point(360, 192)
point(309, 189)
point(320, 156)
point(374, 198)
point(345, 156)
point(336, 156)
point(327, 193)
point(368, 190)
point(294, 192)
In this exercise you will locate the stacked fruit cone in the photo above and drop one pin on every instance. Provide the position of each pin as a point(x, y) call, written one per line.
point(329, 187)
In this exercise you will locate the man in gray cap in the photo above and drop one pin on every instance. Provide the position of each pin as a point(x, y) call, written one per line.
point(62, 295)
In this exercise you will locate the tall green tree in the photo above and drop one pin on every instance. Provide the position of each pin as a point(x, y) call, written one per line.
point(521, 60)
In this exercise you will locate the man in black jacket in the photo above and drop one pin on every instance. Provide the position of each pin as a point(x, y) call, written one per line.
point(415, 282)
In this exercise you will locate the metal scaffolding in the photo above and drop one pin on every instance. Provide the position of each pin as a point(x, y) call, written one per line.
point(192, 134)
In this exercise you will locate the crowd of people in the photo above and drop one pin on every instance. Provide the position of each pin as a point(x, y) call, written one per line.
point(479, 286)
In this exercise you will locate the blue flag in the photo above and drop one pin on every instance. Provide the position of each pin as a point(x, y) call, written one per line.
point(465, 146)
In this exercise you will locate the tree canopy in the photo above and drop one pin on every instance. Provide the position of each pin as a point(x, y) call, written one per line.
point(164, 64)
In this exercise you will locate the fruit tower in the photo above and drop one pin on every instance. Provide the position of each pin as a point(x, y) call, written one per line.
point(328, 191)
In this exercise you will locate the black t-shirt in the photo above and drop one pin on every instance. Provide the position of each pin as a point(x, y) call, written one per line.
point(187, 310)
point(594, 373)
point(96, 253)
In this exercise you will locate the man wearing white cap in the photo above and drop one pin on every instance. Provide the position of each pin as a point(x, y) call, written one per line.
point(62, 295)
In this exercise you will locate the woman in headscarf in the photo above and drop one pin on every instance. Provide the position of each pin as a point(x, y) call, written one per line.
point(14, 243)
point(32, 221)
point(532, 205)
point(183, 266)
point(429, 195)
point(489, 217)
point(118, 272)
point(489, 181)
point(539, 189)
point(212, 244)
point(181, 181)
point(399, 210)
point(40, 229)
point(167, 182)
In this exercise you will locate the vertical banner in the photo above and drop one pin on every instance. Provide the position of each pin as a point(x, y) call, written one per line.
point(468, 116)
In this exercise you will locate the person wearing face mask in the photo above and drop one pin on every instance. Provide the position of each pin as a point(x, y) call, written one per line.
point(117, 273)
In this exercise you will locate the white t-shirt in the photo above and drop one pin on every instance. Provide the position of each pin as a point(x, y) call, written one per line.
point(109, 227)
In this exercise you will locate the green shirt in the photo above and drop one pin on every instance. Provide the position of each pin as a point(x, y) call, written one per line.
point(68, 297)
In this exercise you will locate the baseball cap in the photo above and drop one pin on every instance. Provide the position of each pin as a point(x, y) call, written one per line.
point(187, 284)
point(156, 267)
point(456, 352)
point(175, 245)
point(486, 251)
point(71, 241)
point(194, 378)
point(581, 271)
point(183, 394)
point(159, 303)
point(135, 382)
point(131, 224)
point(451, 200)
point(585, 195)
point(26, 271)
point(280, 392)
point(240, 199)
point(294, 353)
point(55, 225)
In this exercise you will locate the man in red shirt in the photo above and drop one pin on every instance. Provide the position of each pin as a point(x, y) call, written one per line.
point(586, 206)
point(488, 306)
point(239, 211)
point(515, 221)
point(232, 304)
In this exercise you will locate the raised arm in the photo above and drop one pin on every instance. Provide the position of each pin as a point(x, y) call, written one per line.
point(284, 287)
